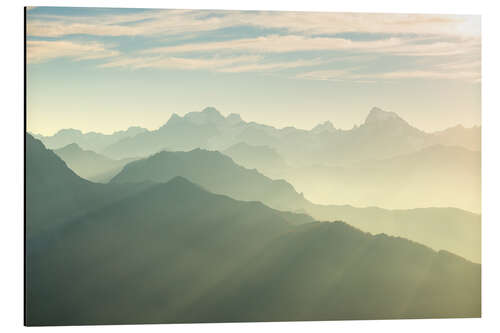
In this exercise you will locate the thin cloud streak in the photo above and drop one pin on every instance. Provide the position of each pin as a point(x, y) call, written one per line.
point(178, 62)
point(42, 51)
point(239, 64)
point(273, 66)
point(295, 43)
point(470, 75)
point(181, 21)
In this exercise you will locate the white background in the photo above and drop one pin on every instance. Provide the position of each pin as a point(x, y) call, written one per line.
point(11, 163)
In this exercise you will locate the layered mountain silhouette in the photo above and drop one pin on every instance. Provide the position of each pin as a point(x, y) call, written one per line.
point(174, 252)
point(469, 138)
point(178, 133)
point(383, 162)
point(437, 175)
point(262, 158)
point(54, 193)
point(90, 165)
point(90, 141)
point(382, 135)
point(215, 172)
point(219, 174)
point(185, 234)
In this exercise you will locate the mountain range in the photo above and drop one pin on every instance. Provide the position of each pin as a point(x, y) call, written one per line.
point(90, 141)
point(384, 162)
point(219, 174)
point(175, 252)
point(382, 135)
point(435, 176)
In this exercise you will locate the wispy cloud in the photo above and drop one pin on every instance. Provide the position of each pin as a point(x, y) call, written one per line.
point(430, 74)
point(181, 21)
point(149, 23)
point(214, 63)
point(235, 64)
point(289, 40)
point(272, 66)
point(278, 44)
point(40, 51)
point(334, 23)
point(328, 75)
point(294, 43)
point(455, 71)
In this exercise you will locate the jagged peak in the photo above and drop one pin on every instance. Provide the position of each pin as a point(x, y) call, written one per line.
point(73, 146)
point(179, 180)
point(70, 148)
point(174, 117)
point(377, 115)
point(234, 118)
point(208, 114)
point(211, 110)
point(324, 126)
point(68, 131)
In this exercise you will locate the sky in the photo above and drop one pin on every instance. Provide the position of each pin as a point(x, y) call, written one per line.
point(103, 70)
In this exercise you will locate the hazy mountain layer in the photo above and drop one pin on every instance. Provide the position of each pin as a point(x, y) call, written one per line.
point(177, 134)
point(382, 135)
point(91, 141)
point(441, 176)
point(450, 229)
point(383, 162)
point(215, 172)
point(177, 253)
point(440, 228)
point(436, 176)
point(469, 138)
point(54, 193)
point(90, 165)
point(262, 158)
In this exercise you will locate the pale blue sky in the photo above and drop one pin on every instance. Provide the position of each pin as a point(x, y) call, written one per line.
point(108, 69)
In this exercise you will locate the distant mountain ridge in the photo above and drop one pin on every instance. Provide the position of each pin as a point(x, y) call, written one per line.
point(438, 175)
point(382, 135)
point(92, 140)
point(215, 172)
point(262, 158)
point(89, 164)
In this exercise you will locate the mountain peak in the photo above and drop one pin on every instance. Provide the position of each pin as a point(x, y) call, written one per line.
point(135, 129)
point(234, 118)
point(325, 126)
point(211, 110)
point(179, 181)
point(377, 115)
point(207, 115)
point(69, 132)
point(72, 147)
point(174, 118)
